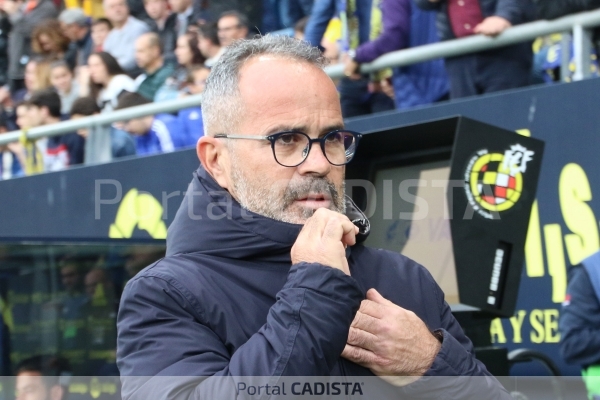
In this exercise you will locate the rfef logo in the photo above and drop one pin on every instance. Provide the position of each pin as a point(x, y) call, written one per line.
point(494, 181)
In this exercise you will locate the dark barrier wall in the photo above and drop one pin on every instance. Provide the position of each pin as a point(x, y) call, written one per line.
point(564, 225)
point(563, 228)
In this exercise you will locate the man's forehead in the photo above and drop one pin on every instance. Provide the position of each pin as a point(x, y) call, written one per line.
point(228, 19)
point(276, 69)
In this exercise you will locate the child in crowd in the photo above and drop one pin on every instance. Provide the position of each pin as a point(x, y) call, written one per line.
point(98, 143)
point(154, 133)
point(62, 79)
point(100, 30)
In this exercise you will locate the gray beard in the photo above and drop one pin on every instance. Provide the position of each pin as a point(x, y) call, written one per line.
point(265, 198)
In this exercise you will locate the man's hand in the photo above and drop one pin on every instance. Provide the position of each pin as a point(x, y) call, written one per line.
point(351, 69)
point(492, 26)
point(323, 240)
point(392, 342)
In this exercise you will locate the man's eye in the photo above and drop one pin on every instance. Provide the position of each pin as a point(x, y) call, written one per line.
point(288, 139)
point(334, 138)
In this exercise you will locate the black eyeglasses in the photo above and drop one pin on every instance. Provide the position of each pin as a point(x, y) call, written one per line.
point(291, 148)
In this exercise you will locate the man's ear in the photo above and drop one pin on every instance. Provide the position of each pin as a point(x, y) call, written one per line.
point(213, 158)
point(56, 392)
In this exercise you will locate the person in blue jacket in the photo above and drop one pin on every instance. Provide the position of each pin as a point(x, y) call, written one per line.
point(265, 273)
point(160, 133)
point(191, 124)
point(404, 26)
point(579, 322)
point(359, 94)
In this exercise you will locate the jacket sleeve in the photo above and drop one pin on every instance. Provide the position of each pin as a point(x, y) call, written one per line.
point(322, 12)
point(579, 323)
point(25, 23)
point(455, 372)
point(429, 5)
point(162, 332)
point(396, 28)
point(550, 9)
point(515, 11)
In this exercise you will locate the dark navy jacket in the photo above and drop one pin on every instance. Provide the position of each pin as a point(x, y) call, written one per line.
point(579, 322)
point(226, 301)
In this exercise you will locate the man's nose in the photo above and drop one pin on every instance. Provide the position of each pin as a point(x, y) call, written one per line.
point(315, 162)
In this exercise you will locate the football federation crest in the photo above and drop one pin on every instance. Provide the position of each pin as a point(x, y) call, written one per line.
point(494, 181)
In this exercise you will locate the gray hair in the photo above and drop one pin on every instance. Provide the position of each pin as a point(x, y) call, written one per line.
point(221, 105)
point(73, 16)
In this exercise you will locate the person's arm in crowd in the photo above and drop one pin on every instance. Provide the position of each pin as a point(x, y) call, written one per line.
point(395, 35)
point(429, 4)
point(508, 13)
point(164, 331)
point(551, 9)
point(512, 10)
point(76, 148)
point(26, 23)
point(14, 10)
point(322, 12)
point(579, 322)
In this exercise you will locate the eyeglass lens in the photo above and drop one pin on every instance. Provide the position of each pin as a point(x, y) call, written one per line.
point(292, 148)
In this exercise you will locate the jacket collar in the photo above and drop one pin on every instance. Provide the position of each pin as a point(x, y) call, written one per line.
point(210, 221)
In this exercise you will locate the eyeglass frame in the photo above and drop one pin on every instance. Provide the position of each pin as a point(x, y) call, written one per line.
point(272, 138)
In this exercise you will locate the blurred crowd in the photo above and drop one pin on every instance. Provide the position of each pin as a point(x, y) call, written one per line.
point(67, 59)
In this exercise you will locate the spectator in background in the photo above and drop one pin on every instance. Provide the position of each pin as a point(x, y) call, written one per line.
point(100, 30)
point(359, 95)
point(183, 15)
point(62, 79)
point(24, 16)
point(60, 151)
point(232, 25)
point(191, 121)
point(76, 26)
point(120, 42)
point(300, 27)
point(153, 134)
point(48, 41)
point(158, 11)
point(31, 78)
point(22, 115)
point(12, 155)
point(149, 58)
point(405, 25)
point(33, 152)
point(282, 15)
point(42, 73)
point(208, 43)
point(107, 80)
point(188, 56)
point(39, 378)
point(492, 70)
point(5, 28)
point(197, 79)
point(579, 322)
point(98, 140)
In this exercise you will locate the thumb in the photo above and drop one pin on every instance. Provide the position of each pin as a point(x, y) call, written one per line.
point(374, 295)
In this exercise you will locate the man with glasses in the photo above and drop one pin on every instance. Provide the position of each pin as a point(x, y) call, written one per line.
point(265, 275)
point(232, 25)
